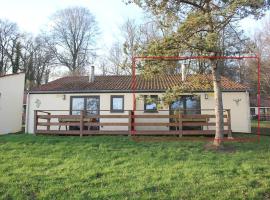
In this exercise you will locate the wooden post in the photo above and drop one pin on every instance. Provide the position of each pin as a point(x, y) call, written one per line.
point(129, 122)
point(48, 121)
point(132, 122)
point(229, 124)
point(207, 121)
point(180, 125)
point(35, 121)
point(81, 123)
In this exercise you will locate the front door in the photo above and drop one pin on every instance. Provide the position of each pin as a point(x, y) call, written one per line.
point(186, 105)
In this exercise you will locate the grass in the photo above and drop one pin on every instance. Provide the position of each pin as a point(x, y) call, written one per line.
point(264, 127)
point(47, 167)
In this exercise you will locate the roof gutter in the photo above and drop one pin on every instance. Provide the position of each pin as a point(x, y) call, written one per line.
point(122, 91)
point(27, 113)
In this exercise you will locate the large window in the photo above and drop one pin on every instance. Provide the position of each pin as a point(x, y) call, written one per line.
point(89, 104)
point(150, 103)
point(187, 104)
point(117, 103)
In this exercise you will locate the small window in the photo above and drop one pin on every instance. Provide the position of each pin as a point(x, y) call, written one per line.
point(117, 103)
point(150, 103)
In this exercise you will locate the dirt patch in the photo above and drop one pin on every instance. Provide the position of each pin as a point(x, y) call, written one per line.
point(221, 149)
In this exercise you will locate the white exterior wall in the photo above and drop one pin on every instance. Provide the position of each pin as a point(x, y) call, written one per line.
point(239, 113)
point(11, 103)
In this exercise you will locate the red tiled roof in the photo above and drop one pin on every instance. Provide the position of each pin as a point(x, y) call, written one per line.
point(123, 84)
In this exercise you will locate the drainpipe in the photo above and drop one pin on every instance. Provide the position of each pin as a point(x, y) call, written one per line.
point(27, 113)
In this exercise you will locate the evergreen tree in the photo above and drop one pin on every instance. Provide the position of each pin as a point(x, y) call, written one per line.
point(202, 23)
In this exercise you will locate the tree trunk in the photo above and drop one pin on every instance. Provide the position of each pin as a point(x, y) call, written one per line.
point(218, 103)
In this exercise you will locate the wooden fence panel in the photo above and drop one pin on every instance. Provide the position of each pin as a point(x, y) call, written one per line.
point(81, 121)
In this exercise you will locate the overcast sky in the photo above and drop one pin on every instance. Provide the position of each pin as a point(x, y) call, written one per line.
point(33, 15)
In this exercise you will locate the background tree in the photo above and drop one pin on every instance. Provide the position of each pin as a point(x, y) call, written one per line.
point(201, 28)
point(74, 31)
point(261, 45)
point(133, 39)
point(116, 60)
point(9, 39)
point(37, 60)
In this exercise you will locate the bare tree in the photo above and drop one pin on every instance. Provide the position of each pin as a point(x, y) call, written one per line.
point(103, 66)
point(134, 37)
point(74, 31)
point(261, 45)
point(9, 39)
point(37, 60)
point(117, 61)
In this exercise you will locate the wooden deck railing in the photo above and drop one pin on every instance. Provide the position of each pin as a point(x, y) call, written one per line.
point(47, 123)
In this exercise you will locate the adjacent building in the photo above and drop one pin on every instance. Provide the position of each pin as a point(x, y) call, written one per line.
point(11, 102)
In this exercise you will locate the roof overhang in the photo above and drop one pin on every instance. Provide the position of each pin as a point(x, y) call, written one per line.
point(121, 91)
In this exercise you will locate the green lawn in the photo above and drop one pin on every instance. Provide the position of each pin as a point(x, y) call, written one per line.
point(264, 127)
point(47, 167)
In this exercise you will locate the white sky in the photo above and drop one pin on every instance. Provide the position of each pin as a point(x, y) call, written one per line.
point(33, 15)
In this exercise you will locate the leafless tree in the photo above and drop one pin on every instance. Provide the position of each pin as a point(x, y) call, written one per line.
point(9, 39)
point(36, 60)
point(134, 37)
point(260, 45)
point(74, 31)
point(117, 61)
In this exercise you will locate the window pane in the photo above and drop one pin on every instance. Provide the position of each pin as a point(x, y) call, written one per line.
point(117, 103)
point(177, 105)
point(92, 106)
point(77, 105)
point(192, 105)
point(152, 105)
